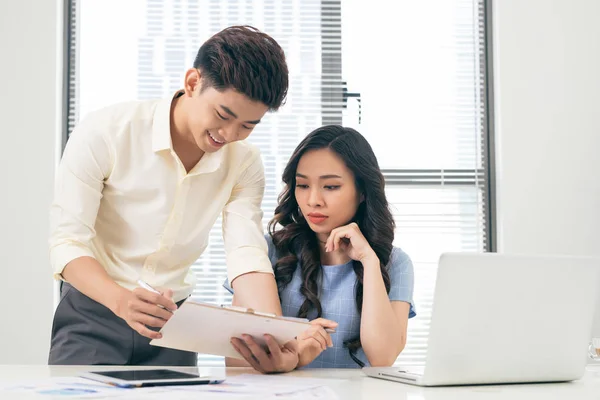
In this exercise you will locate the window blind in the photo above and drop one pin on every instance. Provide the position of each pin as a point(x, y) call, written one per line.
point(414, 83)
point(416, 92)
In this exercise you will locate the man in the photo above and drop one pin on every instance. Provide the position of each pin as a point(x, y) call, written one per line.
point(138, 189)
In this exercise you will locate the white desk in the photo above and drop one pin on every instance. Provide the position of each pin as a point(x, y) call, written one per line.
point(359, 386)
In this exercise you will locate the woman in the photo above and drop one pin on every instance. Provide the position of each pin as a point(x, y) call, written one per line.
point(330, 244)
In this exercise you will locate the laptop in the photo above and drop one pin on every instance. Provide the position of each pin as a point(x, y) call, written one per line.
point(500, 318)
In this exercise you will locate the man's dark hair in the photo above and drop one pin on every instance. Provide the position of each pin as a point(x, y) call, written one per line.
point(246, 60)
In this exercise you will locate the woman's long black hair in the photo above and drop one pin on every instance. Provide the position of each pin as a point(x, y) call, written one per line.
point(295, 241)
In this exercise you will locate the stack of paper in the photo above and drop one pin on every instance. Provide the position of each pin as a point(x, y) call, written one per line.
point(248, 386)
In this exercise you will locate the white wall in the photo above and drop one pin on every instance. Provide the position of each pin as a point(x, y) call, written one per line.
point(547, 97)
point(28, 128)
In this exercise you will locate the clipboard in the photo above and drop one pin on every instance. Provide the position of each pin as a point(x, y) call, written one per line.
point(207, 328)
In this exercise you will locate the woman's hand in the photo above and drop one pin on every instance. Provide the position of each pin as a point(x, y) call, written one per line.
point(350, 239)
point(275, 358)
point(315, 340)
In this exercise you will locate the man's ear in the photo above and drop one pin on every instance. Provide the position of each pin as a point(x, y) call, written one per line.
point(192, 81)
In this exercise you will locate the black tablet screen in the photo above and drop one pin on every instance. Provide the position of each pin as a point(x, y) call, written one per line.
point(147, 375)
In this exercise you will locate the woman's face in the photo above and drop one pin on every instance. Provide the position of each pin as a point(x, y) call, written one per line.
point(325, 191)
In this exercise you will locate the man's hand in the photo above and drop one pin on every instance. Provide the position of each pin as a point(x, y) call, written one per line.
point(142, 308)
point(315, 340)
point(275, 358)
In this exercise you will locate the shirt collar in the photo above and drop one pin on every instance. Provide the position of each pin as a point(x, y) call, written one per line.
point(161, 124)
point(210, 162)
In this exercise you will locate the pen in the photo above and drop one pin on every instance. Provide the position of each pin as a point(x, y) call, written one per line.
point(328, 330)
point(151, 289)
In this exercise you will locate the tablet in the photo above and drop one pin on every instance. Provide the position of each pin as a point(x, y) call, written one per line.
point(149, 377)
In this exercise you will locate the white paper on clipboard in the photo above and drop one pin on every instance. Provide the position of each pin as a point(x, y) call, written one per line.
point(207, 328)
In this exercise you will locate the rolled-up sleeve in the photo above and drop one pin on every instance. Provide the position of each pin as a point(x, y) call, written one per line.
point(85, 164)
point(245, 245)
